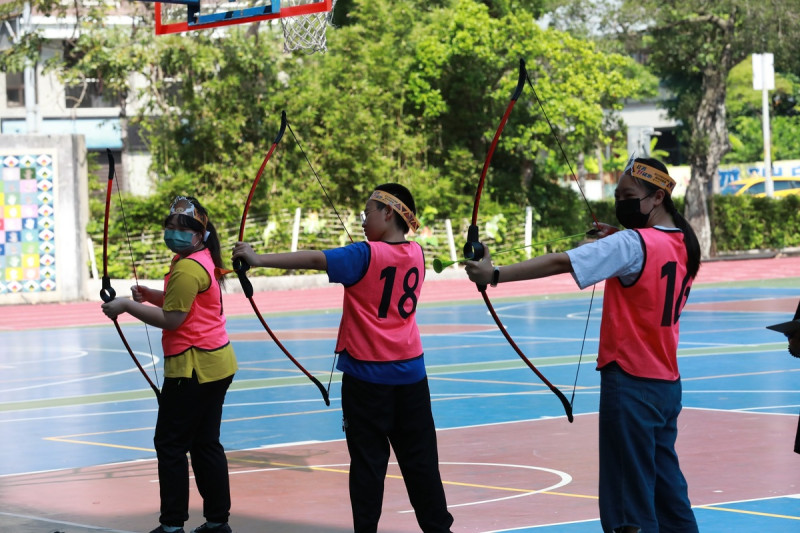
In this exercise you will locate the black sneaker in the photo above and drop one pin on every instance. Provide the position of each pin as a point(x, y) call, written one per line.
point(160, 529)
point(222, 528)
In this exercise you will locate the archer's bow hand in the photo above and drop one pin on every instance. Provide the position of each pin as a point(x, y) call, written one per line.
point(115, 307)
point(480, 272)
point(244, 252)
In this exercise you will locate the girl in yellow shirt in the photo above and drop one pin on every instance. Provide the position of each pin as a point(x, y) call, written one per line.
point(199, 366)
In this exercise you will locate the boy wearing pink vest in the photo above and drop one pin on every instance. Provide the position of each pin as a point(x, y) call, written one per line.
point(385, 396)
point(649, 269)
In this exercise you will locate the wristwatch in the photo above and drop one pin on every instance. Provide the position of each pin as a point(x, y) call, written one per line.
point(495, 277)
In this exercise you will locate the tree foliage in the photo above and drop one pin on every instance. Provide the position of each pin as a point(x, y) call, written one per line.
point(410, 92)
point(744, 110)
point(692, 46)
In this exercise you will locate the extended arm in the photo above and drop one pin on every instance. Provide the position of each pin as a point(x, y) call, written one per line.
point(306, 259)
point(481, 272)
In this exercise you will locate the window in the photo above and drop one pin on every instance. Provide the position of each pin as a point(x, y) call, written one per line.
point(86, 92)
point(90, 93)
point(15, 89)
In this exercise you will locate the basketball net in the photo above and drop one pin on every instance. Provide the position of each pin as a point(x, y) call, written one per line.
point(306, 32)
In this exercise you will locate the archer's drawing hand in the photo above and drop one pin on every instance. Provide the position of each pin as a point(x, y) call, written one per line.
point(601, 229)
point(480, 272)
point(140, 293)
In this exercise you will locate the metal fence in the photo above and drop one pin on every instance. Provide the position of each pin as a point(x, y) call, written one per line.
point(314, 230)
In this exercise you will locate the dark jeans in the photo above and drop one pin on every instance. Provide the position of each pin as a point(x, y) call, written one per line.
point(375, 417)
point(797, 438)
point(189, 417)
point(641, 483)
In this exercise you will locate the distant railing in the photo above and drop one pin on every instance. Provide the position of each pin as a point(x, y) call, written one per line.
point(313, 230)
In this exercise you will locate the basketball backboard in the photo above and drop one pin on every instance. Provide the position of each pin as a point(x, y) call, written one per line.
point(179, 16)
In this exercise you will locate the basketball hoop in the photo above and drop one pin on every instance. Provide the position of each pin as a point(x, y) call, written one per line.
point(306, 32)
point(304, 21)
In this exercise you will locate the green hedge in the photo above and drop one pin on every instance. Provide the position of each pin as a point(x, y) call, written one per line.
point(741, 223)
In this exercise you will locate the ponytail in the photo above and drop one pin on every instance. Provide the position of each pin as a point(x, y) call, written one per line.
point(689, 237)
point(213, 245)
point(693, 253)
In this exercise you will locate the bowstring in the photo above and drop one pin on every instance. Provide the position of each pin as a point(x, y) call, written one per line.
point(324, 190)
point(135, 276)
point(591, 212)
point(333, 206)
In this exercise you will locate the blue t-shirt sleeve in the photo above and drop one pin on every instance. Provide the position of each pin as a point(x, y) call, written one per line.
point(347, 265)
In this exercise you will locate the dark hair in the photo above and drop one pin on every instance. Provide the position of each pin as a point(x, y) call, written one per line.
point(402, 194)
point(689, 236)
point(212, 243)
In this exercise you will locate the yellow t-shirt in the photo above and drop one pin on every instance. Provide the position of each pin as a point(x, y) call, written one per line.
point(186, 280)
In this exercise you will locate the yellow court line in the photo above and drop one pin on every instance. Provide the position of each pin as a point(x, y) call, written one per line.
point(741, 511)
point(267, 370)
point(276, 415)
point(445, 482)
point(65, 438)
point(104, 444)
point(129, 430)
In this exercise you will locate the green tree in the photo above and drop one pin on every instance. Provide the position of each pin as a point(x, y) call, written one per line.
point(692, 46)
point(743, 106)
point(409, 92)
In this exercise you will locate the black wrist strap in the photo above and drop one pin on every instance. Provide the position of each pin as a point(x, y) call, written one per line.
point(495, 277)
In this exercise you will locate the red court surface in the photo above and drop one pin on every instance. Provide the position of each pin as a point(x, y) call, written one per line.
point(505, 476)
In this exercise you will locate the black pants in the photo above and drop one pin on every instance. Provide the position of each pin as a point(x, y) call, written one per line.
point(189, 417)
point(375, 417)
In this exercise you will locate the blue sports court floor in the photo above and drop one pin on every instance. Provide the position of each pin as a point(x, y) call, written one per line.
point(78, 419)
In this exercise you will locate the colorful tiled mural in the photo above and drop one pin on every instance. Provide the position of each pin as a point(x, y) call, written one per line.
point(27, 224)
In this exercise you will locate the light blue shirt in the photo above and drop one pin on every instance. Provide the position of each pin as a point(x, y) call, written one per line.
point(621, 255)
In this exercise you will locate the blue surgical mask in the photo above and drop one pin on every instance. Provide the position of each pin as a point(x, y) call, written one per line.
point(178, 241)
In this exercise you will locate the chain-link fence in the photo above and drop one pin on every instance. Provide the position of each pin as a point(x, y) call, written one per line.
point(311, 230)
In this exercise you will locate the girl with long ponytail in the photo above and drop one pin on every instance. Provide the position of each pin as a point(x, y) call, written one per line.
point(648, 270)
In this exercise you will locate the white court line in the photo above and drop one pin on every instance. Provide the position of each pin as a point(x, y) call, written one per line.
point(49, 384)
point(63, 523)
point(566, 479)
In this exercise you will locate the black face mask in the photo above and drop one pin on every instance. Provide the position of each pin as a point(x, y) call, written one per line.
point(629, 213)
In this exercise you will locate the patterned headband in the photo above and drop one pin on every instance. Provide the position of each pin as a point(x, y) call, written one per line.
point(182, 205)
point(653, 175)
point(401, 208)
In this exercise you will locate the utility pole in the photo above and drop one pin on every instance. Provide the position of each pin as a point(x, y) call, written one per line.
point(29, 77)
point(764, 80)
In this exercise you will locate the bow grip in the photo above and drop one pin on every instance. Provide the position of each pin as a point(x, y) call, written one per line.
point(107, 292)
point(474, 250)
point(240, 266)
